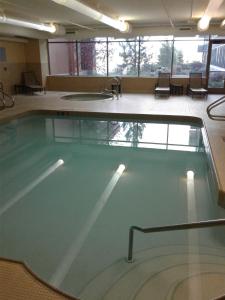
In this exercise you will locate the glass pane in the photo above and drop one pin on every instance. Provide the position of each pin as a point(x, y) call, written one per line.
point(189, 56)
point(155, 56)
point(217, 62)
point(216, 79)
point(62, 58)
point(217, 66)
point(157, 38)
point(92, 58)
point(217, 37)
point(112, 39)
point(123, 58)
point(192, 38)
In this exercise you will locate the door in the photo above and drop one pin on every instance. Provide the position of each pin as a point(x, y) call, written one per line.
point(216, 66)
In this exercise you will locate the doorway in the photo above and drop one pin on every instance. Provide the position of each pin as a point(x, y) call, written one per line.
point(216, 67)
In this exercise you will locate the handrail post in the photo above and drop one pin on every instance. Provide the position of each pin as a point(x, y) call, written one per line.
point(130, 246)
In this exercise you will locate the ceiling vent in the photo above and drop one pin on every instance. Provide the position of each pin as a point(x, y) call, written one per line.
point(185, 28)
point(70, 31)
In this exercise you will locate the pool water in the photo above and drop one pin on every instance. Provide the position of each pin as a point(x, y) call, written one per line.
point(66, 205)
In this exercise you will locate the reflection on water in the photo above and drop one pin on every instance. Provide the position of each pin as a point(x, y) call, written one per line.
point(111, 132)
point(129, 134)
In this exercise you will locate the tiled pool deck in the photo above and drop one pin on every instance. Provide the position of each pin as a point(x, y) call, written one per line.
point(137, 104)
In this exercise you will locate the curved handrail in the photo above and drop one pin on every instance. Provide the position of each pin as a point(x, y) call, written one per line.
point(183, 226)
point(5, 97)
point(213, 105)
point(2, 106)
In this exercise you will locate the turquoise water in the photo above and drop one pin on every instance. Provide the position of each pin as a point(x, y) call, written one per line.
point(65, 209)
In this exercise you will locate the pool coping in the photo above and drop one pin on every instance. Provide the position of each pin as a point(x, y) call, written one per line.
point(156, 117)
point(25, 267)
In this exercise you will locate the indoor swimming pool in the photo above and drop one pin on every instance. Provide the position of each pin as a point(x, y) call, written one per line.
point(71, 187)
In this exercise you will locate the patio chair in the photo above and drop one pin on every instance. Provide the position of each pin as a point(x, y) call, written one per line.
point(30, 82)
point(195, 86)
point(163, 84)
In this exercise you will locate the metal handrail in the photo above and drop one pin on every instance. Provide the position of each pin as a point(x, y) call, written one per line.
point(5, 96)
point(213, 105)
point(194, 225)
point(3, 103)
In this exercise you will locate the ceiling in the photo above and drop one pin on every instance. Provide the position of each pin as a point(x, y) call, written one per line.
point(152, 16)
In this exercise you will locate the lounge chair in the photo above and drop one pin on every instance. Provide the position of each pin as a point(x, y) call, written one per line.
point(30, 82)
point(195, 86)
point(163, 84)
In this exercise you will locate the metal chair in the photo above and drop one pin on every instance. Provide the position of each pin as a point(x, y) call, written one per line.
point(163, 84)
point(195, 86)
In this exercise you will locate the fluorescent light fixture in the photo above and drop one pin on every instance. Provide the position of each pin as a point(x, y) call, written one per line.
point(75, 5)
point(190, 175)
point(203, 23)
point(210, 12)
point(38, 26)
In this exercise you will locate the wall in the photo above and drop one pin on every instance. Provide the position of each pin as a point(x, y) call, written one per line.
point(15, 64)
point(32, 53)
point(97, 84)
point(29, 55)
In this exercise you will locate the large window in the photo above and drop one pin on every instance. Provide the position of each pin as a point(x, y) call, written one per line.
point(137, 57)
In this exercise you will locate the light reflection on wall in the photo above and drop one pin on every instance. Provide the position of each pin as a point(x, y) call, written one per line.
point(180, 137)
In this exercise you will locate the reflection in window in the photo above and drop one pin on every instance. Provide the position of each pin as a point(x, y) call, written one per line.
point(189, 56)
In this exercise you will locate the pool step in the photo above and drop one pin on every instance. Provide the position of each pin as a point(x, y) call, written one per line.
point(161, 272)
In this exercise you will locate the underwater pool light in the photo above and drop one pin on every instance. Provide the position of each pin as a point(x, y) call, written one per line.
point(121, 169)
point(60, 162)
point(190, 175)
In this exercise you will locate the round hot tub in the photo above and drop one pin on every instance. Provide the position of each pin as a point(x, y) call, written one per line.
point(87, 97)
